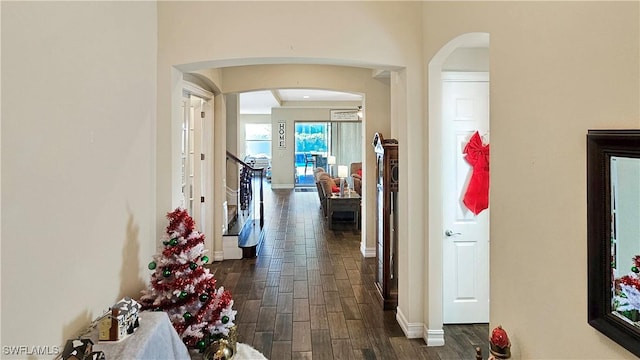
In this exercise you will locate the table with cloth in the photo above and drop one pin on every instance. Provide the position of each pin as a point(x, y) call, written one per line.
point(156, 339)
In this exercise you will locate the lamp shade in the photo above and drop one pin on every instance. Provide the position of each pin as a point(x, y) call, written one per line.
point(331, 160)
point(343, 171)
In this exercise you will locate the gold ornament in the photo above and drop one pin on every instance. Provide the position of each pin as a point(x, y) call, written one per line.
point(223, 349)
point(219, 350)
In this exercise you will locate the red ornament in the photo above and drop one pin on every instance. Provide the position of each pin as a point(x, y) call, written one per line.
point(500, 344)
point(499, 337)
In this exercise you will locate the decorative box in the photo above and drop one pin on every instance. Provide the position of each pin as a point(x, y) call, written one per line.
point(120, 321)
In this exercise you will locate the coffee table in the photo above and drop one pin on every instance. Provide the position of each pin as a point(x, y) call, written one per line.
point(349, 202)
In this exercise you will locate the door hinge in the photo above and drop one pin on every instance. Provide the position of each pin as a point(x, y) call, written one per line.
point(201, 199)
point(201, 156)
point(202, 114)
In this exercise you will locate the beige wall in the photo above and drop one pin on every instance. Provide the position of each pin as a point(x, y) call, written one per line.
point(78, 120)
point(86, 172)
point(557, 69)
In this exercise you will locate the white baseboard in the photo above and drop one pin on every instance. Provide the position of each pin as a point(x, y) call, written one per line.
point(433, 337)
point(230, 249)
point(218, 255)
point(282, 186)
point(411, 330)
point(368, 252)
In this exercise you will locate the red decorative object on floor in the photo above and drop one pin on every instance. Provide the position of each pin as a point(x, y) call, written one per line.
point(476, 153)
point(185, 289)
point(500, 344)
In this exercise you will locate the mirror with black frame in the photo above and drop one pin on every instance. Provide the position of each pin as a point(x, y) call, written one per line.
point(613, 230)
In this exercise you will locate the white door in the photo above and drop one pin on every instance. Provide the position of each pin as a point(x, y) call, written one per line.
point(195, 172)
point(465, 235)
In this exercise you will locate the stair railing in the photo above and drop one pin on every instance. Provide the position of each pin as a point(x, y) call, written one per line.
point(246, 184)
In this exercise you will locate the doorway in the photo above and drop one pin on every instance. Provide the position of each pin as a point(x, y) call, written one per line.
point(312, 141)
point(467, 44)
point(465, 247)
point(194, 132)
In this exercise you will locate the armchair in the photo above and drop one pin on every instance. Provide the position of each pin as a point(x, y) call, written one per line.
point(326, 185)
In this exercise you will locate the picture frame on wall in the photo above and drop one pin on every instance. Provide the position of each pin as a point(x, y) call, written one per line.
point(344, 115)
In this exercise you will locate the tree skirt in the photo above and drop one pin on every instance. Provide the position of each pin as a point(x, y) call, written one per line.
point(243, 352)
point(246, 352)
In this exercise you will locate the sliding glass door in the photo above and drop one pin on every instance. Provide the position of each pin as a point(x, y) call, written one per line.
point(327, 145)
point(311, 149)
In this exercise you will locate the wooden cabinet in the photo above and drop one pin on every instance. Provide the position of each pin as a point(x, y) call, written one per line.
point(386, 220)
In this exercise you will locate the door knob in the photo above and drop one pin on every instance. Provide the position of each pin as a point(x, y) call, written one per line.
point(451, 233)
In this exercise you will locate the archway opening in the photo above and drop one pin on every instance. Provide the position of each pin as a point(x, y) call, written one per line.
point(443, 61)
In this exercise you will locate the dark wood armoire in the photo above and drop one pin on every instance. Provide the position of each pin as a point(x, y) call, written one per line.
point(386, 220)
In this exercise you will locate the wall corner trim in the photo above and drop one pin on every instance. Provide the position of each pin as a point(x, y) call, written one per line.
point(218, 255)
point(433, 337)
point(411, 330)
point(367, 251)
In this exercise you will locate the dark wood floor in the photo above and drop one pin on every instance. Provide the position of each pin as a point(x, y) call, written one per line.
point(310, 295)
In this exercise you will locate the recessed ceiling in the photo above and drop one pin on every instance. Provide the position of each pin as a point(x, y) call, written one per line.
point(261, 102)
point(257, 102)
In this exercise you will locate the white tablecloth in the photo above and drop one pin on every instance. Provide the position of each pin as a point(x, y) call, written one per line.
point(154, 339)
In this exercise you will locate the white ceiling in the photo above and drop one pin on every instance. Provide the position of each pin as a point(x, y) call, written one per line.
point(261, 102)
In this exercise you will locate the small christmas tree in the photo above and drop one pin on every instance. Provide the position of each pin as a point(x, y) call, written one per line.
point(185, 289)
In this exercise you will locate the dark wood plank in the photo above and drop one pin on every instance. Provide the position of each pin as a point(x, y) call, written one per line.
point(350, 308)
point(302, 355)
point(314, 277)
point(301, 310)
point(246, 332)
point(286, 284)
point(316, 295)
point(318, 317)
point(300, 290)
point(257, 290)
point(345, 288)
point(283, 330)
point(332, 301)
point(301, 336)
point(321, 345)
point(262, 341)
point(266, 319)
point(300, 273)
point(249, 312)
point(358, 334)
point(342, 349)
point(287, 268)
point(281, 350)
point(337, 325)
point(285, 303)
point(403, 349)
point(329, 283)
point(273, 279)
point(270, 296)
